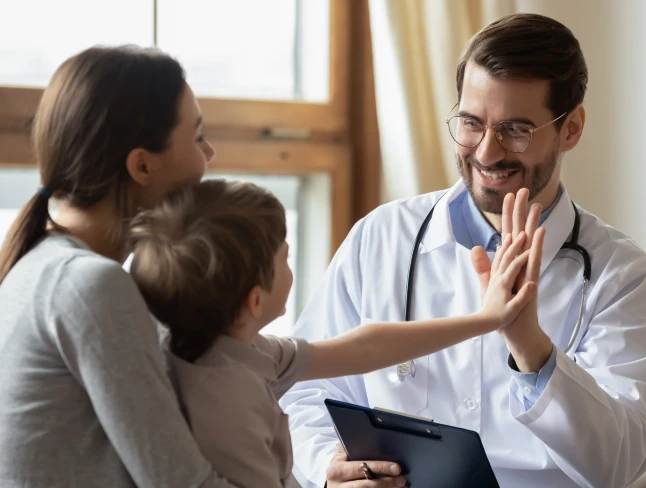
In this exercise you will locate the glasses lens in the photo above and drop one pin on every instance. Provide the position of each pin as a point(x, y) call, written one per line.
point(513, 136)
point(466, 131)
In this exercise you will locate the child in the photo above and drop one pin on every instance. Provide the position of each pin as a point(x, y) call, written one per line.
point(211, 263)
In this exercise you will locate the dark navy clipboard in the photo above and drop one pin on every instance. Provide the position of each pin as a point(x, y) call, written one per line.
point(431, 455)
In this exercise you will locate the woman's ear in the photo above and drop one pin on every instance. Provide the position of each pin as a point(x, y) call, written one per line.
point(572, 130)
point(141, 165)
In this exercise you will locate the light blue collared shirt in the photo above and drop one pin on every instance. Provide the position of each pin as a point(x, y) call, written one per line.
point(471, 229)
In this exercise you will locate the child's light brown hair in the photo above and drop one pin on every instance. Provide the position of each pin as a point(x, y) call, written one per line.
point(200, 252)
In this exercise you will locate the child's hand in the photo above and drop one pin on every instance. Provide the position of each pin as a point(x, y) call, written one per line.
point(500, 302)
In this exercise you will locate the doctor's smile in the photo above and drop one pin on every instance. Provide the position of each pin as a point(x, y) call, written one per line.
point(499, 176)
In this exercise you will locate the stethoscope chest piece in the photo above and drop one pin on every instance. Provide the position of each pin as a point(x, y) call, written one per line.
point(406, 369)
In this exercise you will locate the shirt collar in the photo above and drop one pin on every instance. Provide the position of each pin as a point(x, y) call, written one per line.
point(558, 222)
point(439, 231)
point(481, 232)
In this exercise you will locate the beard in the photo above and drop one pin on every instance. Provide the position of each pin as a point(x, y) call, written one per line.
point(490, 200)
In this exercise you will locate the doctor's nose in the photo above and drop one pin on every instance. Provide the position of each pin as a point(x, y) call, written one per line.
point(489, 151)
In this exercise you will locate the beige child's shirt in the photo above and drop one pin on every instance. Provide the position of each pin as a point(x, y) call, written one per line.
point(230, 399)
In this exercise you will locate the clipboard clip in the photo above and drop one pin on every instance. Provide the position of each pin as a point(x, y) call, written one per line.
point(412, 425)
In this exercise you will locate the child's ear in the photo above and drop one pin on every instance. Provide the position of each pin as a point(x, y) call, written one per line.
point(254, 302)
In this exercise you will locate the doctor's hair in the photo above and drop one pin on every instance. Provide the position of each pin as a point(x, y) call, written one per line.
point(199, 253)
point(100, 105)
point(531, 47)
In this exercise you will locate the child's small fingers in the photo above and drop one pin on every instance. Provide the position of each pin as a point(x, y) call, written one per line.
point(500, 252)
point(513, 270)
point(512, 251)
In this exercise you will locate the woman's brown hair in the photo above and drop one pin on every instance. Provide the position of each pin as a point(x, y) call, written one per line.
point(100, 105)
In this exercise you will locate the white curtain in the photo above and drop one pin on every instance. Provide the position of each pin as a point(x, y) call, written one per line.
point(416, 47)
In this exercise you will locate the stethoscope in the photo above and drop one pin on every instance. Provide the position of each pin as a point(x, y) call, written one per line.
point(408, 368)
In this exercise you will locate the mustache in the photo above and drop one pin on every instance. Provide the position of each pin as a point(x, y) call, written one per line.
point(499, 166)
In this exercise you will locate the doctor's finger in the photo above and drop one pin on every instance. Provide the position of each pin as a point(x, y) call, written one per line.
point(512, 252)
point(535, 256)
point(380, 483)
point(520, 211)
point(532, 223)
point(507, 214)
point(352, 470)
point(482, 266)
point(340, 454)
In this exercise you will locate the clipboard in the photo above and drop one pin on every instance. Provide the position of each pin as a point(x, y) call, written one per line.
point(430, 454)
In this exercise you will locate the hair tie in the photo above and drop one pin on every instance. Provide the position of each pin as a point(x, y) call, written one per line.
point(44, 192)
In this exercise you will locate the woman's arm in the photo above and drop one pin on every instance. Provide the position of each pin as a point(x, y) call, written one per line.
point(105, 335)
point(376, 346)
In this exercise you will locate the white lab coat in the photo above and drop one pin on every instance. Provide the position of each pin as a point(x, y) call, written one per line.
point(589, 425)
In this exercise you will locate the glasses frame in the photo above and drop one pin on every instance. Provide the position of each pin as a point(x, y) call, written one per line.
point(499, 136)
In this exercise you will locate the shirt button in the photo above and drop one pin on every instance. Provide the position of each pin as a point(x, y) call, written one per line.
point(470, 403)
point(496, 242)
point(527, 390)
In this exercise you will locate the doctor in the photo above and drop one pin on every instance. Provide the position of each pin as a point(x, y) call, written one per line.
point(547, 417)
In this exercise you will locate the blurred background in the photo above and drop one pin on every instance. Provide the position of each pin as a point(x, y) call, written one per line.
point(337, 106)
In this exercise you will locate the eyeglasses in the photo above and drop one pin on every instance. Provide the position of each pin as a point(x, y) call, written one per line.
point(513, 136)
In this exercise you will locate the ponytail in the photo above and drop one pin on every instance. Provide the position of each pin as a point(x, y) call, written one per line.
point(129, 97)
point(26, 230)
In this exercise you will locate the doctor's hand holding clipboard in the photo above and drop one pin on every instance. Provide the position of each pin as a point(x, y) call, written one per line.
point(516, 266)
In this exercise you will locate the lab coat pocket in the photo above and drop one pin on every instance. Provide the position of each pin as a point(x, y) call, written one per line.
point(385, 389)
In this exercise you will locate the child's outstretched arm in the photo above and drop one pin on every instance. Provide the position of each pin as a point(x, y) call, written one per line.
point(375, 346)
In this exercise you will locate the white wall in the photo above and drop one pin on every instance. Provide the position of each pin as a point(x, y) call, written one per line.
point(606, 172)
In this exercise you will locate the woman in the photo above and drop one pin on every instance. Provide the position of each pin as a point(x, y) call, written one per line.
point(84, 400)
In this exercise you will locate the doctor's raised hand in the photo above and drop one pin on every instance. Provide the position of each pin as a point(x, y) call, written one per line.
point(529, 346)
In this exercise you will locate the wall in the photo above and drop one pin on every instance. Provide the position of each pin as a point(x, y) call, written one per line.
point(606, 172)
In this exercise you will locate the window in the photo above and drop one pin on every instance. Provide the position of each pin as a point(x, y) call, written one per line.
point(256, 49)
point(68, 26)
point(17, 186)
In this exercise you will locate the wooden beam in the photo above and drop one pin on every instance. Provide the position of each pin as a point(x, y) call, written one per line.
point(363, 116)
point(260, 157)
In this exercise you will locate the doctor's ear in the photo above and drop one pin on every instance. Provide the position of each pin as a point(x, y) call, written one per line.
point(572, 129)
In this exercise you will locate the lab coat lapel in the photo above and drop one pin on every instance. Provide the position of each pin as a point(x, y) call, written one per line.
point(558, 228)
